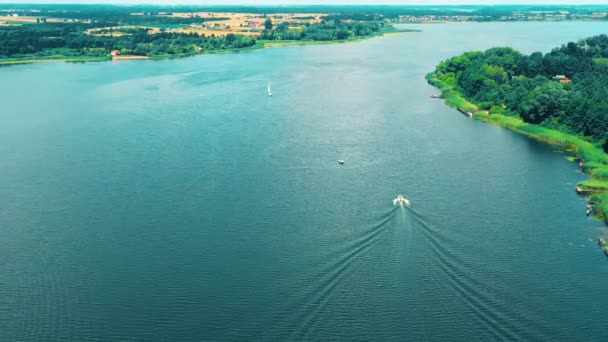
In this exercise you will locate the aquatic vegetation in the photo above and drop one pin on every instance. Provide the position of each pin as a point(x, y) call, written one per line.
point(452, 97)
point(601, 205)
point(594, 184)
point(597, 170)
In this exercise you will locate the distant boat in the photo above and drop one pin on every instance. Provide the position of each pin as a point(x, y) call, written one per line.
point(341, 162)
point(436, 96)
point(269, 91)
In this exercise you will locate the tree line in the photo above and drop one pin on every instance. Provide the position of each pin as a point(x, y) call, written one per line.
point(337, 29)
point(71, 40)
point(565, 89)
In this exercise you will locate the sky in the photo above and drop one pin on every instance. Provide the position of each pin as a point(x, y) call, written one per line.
point(323, 2)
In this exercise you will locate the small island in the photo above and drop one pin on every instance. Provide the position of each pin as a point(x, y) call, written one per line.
point(560, 97)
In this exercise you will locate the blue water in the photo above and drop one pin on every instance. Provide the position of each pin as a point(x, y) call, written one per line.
point(174, 201)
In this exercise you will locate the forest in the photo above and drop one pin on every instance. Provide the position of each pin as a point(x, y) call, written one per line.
point(565, 89)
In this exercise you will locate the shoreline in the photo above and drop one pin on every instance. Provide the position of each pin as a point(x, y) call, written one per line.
point(592, 159)
point(128, 57)
point(259, 44)
point(68, 59)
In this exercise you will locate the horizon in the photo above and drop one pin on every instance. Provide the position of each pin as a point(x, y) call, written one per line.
point(311, 3)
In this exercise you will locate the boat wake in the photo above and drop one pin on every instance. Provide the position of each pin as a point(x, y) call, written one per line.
point(324, 285)
point(485, 303)
point(342, 265)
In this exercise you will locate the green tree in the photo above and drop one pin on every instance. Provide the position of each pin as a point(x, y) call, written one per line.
point(501, 78)
point(547, 100)
point(268, 24)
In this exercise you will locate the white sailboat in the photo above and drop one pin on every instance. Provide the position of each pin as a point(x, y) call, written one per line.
point(269, 92)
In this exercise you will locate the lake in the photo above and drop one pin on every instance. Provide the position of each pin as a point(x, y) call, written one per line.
point(174, 200)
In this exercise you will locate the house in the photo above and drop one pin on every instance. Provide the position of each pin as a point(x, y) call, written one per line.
point(115, 53)
point(562, 79)
point(254, 23)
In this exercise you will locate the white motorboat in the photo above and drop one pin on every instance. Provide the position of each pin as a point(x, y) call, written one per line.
point(401, 201)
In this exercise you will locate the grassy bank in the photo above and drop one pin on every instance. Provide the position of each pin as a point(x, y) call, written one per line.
point(595, 160)
point(34, 59)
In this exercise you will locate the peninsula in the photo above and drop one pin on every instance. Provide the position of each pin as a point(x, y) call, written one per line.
point(95, 33)
point(39, 32)
point(560, 97)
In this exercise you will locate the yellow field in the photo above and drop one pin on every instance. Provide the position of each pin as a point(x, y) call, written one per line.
point(240, 23)
point(93, 31)
point(217, 32)
point(9, 18)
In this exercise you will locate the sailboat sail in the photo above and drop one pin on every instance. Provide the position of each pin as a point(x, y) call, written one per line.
point(269, 92)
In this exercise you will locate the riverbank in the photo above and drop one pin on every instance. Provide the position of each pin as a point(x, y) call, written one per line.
point(592, 159)
point(259, 44)
point(27, 60)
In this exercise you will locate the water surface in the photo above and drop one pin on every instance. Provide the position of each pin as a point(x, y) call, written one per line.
point(174, 201)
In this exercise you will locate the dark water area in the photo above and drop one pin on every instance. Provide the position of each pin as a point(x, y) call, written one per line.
point(174, 201)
